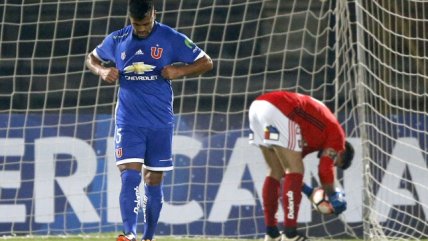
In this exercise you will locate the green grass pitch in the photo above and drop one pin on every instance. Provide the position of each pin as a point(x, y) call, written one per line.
point(113, 238)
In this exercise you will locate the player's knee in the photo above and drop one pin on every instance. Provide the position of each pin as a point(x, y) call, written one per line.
point(153, 178)
point(131, 177)
point(278, 174)
point(132, 165)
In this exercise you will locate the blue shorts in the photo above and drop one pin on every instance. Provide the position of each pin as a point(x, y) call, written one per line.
point(152, 147)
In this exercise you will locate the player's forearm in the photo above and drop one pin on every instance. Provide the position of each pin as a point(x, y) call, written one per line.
point(93, 64)
point(109, 75)
point(199, 67)
point(326, 173)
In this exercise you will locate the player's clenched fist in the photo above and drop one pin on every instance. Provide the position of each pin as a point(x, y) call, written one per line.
point(109, 75)
point(171, 72)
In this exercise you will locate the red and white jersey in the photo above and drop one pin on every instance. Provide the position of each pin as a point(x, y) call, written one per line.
point(319, 126)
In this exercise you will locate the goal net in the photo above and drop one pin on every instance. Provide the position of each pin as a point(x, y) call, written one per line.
point(365, 59)
point(392, 95)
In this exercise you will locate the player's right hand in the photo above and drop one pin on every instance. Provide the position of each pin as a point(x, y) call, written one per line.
point(109, 75)
point(337, 200)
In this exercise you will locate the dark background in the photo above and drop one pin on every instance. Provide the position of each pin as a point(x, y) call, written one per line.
point(43, 49)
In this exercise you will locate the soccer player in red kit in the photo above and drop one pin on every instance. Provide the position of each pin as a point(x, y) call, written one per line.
point(287, 126)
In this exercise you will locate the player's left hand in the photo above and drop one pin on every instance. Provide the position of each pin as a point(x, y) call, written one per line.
point(337, 200)
point(171, 72)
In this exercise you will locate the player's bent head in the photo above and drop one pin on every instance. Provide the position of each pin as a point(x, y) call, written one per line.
point(139, 9)
point(347, 156)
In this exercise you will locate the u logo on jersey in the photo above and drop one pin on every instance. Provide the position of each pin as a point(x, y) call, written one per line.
point(156, 52)
point(119, 152)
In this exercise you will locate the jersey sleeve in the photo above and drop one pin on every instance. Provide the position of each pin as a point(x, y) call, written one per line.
point(326, 170)
point(185, 50)
point(335, 138)
point(105, 51)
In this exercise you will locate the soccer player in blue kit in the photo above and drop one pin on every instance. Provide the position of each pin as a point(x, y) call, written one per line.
point(143, 54)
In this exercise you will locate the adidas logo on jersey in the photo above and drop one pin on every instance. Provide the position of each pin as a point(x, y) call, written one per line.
point(139, 52)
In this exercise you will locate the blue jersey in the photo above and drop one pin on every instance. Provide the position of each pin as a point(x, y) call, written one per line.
point(145, 98)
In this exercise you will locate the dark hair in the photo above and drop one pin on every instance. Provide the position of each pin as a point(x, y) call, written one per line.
point(140, 8)
point(348, 155)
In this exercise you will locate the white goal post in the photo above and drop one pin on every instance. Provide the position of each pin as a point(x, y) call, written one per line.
point(365, 59)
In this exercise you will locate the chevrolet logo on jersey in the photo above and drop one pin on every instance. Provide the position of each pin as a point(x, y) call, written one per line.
point(139, 68)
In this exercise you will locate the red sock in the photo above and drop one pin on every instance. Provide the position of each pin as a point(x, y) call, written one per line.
point(270, 200)
point(291, 198)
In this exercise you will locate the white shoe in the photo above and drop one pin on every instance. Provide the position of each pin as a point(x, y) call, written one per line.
point(269, 238)
point(298, 237)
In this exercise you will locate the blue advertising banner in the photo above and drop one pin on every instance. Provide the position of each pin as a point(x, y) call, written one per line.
point(58, 175)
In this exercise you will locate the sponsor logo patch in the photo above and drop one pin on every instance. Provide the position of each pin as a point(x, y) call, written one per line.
point(290, 207)
point(139, 68)
point(188, 43)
